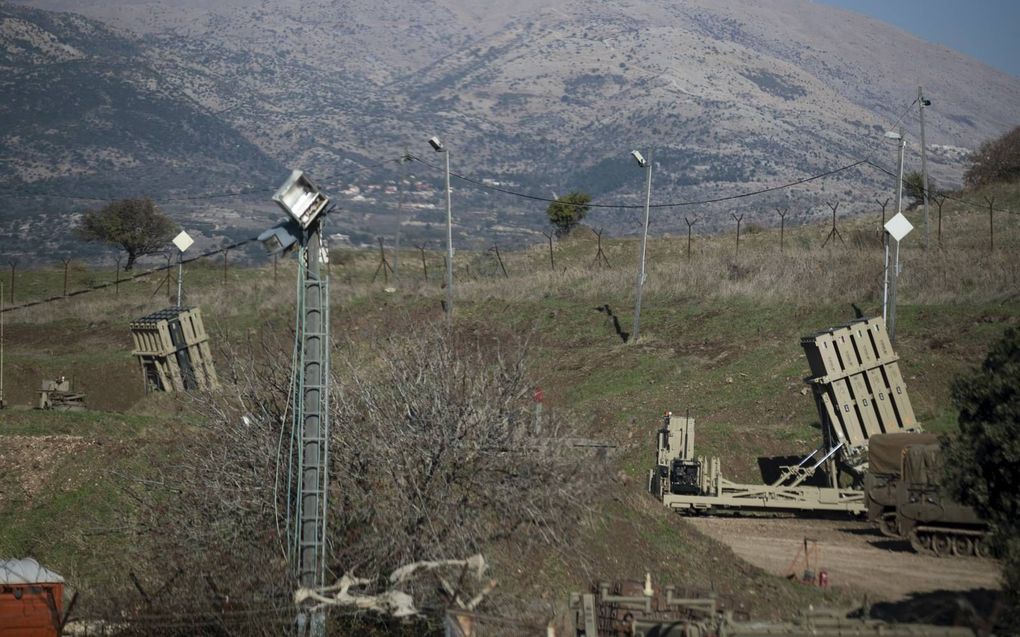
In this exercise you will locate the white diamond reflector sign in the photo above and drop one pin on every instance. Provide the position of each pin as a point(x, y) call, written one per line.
point(898, 226)
point(183, 241)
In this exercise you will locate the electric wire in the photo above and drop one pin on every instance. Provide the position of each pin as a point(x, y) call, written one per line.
point(675, 204)
point(939, 193)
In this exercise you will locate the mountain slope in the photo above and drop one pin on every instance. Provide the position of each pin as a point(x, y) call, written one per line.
point(83, 116)
point(730, 96)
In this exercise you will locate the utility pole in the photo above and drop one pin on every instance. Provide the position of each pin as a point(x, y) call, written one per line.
point(921, 103)
point(314, 422)
point(307, 206)
point(439, 147)
point(400, 214)
point(2, 404)
point(902, 143)
point(647, 165)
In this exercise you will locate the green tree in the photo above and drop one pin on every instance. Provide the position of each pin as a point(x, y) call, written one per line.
point(136, 225)
point(567, 211)
point(996, 160)
point(913, 187)
point(983, 461)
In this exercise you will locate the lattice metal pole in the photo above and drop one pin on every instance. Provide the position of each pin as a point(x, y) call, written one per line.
point(312, 416)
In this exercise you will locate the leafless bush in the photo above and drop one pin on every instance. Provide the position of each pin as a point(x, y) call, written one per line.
point(434, 455)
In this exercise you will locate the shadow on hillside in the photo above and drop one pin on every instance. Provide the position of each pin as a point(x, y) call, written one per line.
point(605, 309)
point(979, 608)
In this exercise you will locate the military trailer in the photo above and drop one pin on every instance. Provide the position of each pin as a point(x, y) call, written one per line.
point(859, 392)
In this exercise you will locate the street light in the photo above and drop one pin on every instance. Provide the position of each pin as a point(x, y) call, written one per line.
point(902, 143)
point(306, 206)
point(647, 165)
point(440, 148)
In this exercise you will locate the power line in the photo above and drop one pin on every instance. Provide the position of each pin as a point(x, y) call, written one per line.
point(103, 286)
point(938, 193)
point(676, 204)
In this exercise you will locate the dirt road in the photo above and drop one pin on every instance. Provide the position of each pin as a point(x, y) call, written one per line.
point(856, 556)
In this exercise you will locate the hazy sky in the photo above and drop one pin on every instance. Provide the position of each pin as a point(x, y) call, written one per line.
point(988, 30)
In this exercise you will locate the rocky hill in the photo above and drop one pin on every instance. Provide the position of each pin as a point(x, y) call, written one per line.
point(552, 96)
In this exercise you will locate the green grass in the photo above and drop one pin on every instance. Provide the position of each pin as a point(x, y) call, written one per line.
point(720, 338)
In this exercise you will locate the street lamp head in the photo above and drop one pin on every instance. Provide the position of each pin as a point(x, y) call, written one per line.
point(301, 199)
point(281, 237)
point(639, 158)
point(436, 144)
point(893, 135)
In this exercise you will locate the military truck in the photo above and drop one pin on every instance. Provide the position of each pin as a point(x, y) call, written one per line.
point(932, 521)
point(885, 468)
point(905, 498)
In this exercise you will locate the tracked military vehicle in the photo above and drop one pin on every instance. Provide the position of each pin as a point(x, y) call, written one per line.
point(905, 498)
point(885, 469)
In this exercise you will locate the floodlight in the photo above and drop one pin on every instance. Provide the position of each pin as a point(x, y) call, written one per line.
point(436, 144)
point(281, 237)
point(639, 158)
point(925, 102)
point(893, 135)
point(301, 198)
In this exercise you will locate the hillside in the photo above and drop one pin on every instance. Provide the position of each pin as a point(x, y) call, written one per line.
point(720, 337)
point(84, 119)
point(549, 97)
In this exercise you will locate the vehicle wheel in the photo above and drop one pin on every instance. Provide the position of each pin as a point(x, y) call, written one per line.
point(887, 525)
point(942, 544)
point(981, 548)
point(920, 543)
point(963, 546)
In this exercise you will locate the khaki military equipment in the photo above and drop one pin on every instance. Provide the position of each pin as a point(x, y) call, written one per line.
point(858, 389)
point(172, 348)
point(643, 611)
point(926, 515)
point(859, 392)
point(885, 467)
point(59, 396)
point(694, 484)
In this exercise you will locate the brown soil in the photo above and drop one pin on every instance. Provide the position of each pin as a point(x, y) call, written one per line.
point(859, 560)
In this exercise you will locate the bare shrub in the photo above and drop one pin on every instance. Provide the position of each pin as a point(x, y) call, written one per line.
point(434, 455)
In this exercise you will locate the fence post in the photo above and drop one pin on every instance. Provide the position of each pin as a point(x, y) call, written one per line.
point(552, 261)
point(991, 223)
point(940, 200)
point(424, 264)
point(835, 231)
point(500, 259)
point(14, 266)
point(738, 220)
point(782, 227)
point(116, 278)
point(66, 262)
